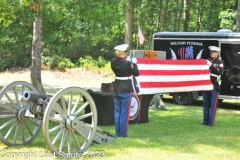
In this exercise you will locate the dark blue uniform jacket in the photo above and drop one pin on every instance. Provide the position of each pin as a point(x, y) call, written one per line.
point(216, 70)
point(123, 68)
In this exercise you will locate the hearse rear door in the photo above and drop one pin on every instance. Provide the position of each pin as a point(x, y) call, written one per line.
point(230, 54)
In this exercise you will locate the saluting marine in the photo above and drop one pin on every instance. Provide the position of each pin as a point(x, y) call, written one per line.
point(123, 89)
point(210, 98)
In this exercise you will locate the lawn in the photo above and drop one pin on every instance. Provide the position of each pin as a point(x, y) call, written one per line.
point(173, 134)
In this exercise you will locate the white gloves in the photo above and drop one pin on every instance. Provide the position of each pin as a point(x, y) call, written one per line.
point(209, 63)
point(131, 59)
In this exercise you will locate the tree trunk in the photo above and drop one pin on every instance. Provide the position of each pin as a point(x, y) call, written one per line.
point(129, 23)
point(179, 21)
point(175, 17)
point(185, 15)
point(238, 17)
point(165, 15)
point(36, 55)
point(200, 6)
point(159, 16)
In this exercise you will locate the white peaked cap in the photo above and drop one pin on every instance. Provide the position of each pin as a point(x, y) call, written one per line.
point(214, 48)
point(122, 47)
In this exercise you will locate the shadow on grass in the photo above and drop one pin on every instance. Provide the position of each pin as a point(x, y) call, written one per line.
point(225, 104)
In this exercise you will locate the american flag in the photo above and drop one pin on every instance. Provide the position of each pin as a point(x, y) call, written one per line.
point(166, 76)
point(140, 36)
point(186, 53)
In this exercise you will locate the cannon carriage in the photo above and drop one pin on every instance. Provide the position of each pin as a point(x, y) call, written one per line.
point(23, 111)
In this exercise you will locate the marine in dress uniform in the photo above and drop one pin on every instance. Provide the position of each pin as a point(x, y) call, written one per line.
point(210, 98)
point(123, 89)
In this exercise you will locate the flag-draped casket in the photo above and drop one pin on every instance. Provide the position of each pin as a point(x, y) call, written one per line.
point(167, 76)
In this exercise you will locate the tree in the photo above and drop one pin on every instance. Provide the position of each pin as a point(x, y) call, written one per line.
point(238, 17)
point(199, 12)
point(185, 15)
point(37, 46)
point(129, 23)
point(228, 18)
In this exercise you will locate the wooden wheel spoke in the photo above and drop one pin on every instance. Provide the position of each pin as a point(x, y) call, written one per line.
point(75, 140)
point(76, 104)
point(33, 121)
point(7, 115)
point(65, 132)
point(7, 123)
point(70, 104)
point(69, 141)
point(8, 108)
point(58, 136)
point(56, 118)
point(85, 116)
point(16, 133)
point(63, 103)
point(59, 110)
point(11, 101)
point(16, 96)
point(81, 108)
point(23, 137)
point(56, 128)
point(10, 130)
point(28, 128)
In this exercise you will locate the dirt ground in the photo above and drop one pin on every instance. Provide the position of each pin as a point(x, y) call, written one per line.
point(83, 78)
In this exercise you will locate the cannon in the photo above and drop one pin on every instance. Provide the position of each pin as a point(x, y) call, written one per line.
point(23, 111)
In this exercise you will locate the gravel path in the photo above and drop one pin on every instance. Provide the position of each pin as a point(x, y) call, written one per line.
point(55, 79)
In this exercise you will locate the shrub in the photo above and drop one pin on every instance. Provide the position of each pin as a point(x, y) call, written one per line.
point(50, 62)
point(65, 63)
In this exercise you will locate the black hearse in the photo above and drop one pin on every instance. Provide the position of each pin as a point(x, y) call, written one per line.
point(194, 45)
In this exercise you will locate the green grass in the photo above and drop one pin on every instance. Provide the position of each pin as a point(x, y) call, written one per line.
point(173, 134)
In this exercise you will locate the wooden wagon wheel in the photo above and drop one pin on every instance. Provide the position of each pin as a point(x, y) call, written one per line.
point(15, 127)
point(64, 129)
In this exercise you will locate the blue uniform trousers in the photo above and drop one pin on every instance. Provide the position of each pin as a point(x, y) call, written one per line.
point(122, 104)
point(210, 100)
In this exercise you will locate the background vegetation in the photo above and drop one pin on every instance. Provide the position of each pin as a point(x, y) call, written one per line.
point(76, 31)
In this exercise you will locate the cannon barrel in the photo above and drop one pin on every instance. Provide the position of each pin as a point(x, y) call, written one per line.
point(33, 96)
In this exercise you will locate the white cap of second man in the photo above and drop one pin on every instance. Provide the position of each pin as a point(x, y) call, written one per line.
point(122, 47)
point(214, 48)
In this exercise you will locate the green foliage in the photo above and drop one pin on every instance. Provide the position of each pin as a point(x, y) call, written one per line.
point(73, 29)
point(4, 64)
point(65, 63)
point(101, 65)
point(50, 62)
point(228, 19)
point(90, 63)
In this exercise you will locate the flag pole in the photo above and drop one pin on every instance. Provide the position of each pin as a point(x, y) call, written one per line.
point(137, 38)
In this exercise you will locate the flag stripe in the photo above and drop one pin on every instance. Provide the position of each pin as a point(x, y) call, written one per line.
point(172, 72)
point(171, 67)
point(173, 84)
point(161, 76)
point(176, 89)
point(172, 62)
point(169, 79)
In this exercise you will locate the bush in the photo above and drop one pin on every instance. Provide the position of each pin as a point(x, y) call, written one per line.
point(65, 63)
point(50, 62)
point(90, 63)
point(101, 65)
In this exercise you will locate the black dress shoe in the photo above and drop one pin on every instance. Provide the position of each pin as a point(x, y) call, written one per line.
point(204, 124)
